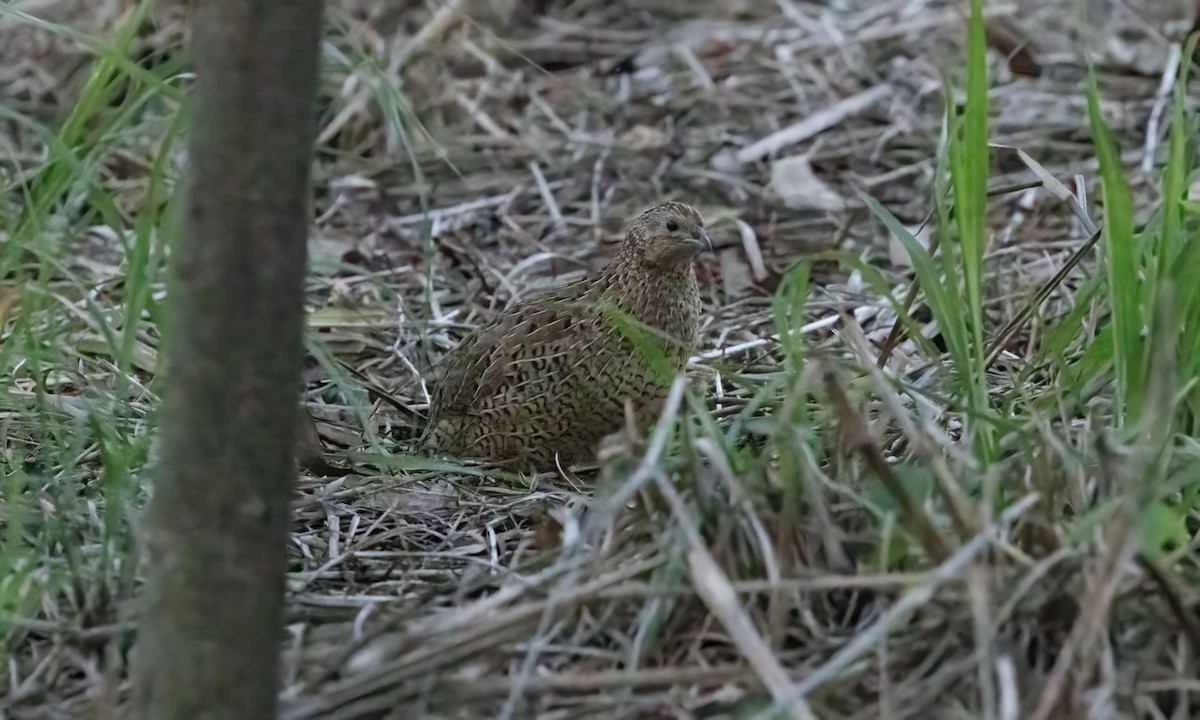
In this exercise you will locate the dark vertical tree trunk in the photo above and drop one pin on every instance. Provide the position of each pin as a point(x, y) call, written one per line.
point(216, 527)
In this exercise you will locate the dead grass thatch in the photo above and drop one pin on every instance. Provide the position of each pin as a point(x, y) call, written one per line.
point(472, 151)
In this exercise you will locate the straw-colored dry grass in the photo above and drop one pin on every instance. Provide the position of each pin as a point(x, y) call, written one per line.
point(755, 545)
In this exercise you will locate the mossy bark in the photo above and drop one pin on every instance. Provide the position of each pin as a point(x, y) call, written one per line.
point(216, 528)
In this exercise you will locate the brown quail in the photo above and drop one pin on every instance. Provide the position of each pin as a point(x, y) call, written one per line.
point(550, 376)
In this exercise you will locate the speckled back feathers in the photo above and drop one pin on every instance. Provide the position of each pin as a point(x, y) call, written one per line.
point(551, 374)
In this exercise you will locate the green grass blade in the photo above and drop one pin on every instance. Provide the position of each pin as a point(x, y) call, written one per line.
point(1124, 287)
point(968, 147)
point(788, 306)
point(942, 302)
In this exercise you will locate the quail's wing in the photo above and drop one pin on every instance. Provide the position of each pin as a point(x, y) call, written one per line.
point(527, 345)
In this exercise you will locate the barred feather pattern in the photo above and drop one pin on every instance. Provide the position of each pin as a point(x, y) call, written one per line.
point(550, 375)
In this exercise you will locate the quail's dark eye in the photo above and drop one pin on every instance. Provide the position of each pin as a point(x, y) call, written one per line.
point(672, 226)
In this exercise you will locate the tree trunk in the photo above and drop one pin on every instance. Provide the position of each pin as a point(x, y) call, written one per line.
point(217, 524)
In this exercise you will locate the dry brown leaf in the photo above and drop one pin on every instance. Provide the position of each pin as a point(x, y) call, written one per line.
point(793, 180)
point(735, 275)
point(642, 137)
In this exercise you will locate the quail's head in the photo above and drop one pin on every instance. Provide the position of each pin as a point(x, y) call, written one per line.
point(668, 236)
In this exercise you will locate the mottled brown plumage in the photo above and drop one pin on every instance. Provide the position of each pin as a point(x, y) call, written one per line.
point(551, 374)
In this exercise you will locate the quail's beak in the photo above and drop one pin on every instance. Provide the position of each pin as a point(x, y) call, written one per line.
point(701, 243)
